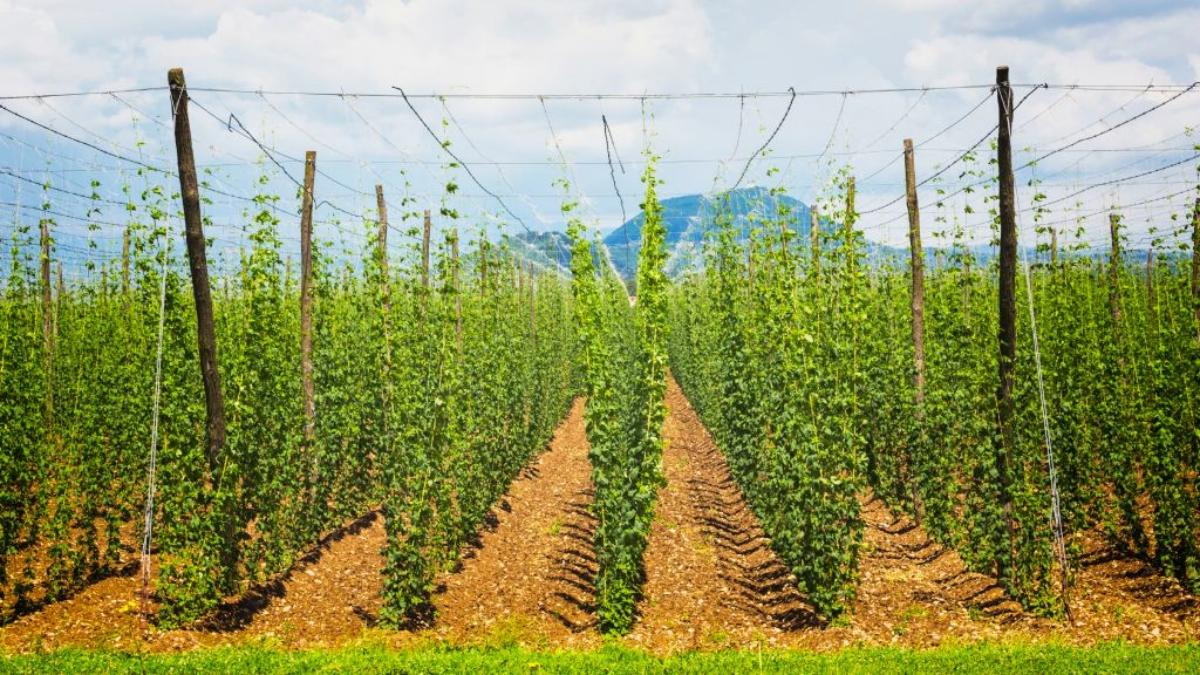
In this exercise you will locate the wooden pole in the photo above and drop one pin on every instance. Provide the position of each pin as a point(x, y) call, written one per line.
point(918, 274)
point(1053, 247)
point(1114, 269)
point(385, 278)
point(385, 292)
point(198, 264)
point(308, 388)
point(1007, 310)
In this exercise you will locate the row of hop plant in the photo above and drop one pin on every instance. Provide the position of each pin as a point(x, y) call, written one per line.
point(801, 363)
point(623, 359)
point(1119, 354)
point(430, 397)
point(1119, 345)
point(767, 342)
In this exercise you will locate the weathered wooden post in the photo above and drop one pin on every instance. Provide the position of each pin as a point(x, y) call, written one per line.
point(384, 280)
point(1007, 310)
point(308, 389)
point(918, 275)
point(198, 264)
point(125, 261)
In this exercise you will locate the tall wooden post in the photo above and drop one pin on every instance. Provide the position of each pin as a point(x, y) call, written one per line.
point(308, 389)
point(918, 274)
point(198, 263)
point(1114, 269)
point(125, 261)
point(1053, 247)
point(384, 272)
point(1007, 309)
point(385, 293)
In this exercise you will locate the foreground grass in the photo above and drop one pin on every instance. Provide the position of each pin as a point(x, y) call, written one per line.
point(1059, 659)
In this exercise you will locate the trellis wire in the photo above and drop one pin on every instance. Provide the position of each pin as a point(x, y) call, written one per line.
point(152, 469)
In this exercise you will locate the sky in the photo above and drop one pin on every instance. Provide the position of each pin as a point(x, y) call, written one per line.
point(519, 149)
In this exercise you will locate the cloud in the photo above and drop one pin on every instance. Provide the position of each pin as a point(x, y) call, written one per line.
point(459, 46)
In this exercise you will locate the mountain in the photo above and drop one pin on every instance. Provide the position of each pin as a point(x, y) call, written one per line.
point(689, 219)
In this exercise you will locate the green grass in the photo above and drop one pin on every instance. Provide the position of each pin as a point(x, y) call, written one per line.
point(1059, 659)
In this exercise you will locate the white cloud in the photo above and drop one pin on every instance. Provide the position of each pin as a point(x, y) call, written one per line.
point(456, 46)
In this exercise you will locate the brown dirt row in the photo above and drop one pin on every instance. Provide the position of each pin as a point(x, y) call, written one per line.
point(712, 580)
point(530, 579)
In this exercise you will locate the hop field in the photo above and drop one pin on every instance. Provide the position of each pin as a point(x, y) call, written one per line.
point(299, 414)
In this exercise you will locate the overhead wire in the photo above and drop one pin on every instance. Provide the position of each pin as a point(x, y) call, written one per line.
point(610, 149)
point(771, 137)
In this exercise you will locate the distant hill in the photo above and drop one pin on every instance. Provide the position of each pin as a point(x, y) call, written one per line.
point(689, 218)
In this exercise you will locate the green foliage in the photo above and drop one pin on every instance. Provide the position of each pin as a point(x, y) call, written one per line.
point(804, 373)
point(429, 401)
point(772, 362)
point(623, 354)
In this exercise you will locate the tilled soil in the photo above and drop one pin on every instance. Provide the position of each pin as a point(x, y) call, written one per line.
point(530, 580)
point(712, 581)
